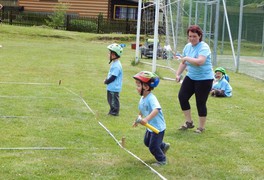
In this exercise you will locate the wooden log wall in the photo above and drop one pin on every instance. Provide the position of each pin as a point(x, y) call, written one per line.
point(90, 8)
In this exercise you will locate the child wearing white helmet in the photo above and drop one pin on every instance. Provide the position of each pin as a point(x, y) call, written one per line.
point(150, 112)
point(221, 86)
point(114, 78)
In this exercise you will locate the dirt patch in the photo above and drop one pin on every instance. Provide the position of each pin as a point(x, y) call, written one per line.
point(256, 61)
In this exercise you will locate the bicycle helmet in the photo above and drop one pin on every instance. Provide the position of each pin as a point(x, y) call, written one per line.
point(116, 48)
point(147, 77)
point(221, 69)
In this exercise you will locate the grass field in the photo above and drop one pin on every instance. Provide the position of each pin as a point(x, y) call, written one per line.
point(48, 132)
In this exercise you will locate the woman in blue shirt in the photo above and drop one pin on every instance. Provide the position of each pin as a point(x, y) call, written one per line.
point(196, 58)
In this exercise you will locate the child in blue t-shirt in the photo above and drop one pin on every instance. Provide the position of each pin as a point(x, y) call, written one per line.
point(150, 112)
point(114, 79)
point(221, 86)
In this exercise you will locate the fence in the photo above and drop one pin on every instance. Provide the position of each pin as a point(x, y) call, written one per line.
point(71, 22)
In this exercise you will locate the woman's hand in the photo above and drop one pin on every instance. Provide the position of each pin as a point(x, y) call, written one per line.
point(178, 78)
point(183, 60)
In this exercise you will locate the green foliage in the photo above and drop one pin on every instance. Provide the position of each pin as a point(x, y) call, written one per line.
point(100, 22)
point(57, 19)
point(30, 18)
point(246, 2)
point(83, 26)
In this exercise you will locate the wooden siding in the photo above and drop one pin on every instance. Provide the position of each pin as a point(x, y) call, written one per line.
point(90, 8)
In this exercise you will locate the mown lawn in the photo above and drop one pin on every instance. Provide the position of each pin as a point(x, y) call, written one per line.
point(50, 130)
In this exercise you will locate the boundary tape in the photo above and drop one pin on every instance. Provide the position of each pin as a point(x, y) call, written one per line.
point(34, 148)
point(153, 170)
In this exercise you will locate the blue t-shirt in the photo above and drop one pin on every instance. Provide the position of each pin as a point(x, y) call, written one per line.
point(223, 85)
point(116, 70)
point(146, 106)
point(203, 72)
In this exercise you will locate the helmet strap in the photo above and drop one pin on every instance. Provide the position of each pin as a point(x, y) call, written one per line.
point(111, 59)
point(142, 89)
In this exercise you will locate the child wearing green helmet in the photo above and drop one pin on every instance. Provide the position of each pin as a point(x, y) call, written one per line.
point(221, 86)
point(150, 112)
point(114, 78)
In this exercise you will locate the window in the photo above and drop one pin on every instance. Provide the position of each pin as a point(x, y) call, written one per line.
point(125, 12)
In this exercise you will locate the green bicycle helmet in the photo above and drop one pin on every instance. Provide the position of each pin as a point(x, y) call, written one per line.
point(116, 48)
point(147, 77)
point(221, 69)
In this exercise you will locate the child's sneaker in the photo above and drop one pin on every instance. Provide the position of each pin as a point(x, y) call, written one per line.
point(166, 148)
point(159, 163)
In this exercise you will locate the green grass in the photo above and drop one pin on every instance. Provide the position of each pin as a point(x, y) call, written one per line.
point(53, 115)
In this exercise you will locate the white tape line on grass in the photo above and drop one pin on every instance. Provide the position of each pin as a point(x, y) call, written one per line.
point(14, 116)
point(171, 79)
point(26, 97)
point(26, 83)
point(34, 148)
point(153, 170)
point(159, 66)
point(81, 99)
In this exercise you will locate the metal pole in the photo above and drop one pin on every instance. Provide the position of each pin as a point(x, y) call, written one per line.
point(210, 24)
point(223, 34)
point(177, 23)
point(172, 27)
point(239, 34)
point(217, 9)
point(205, 20)
point(262, 50)
point(196, 13)
point(229, 32)
point(156, 36)
point(138, 30)
point(190, 14)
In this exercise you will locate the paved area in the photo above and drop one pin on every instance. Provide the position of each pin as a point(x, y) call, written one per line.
point(252, 66)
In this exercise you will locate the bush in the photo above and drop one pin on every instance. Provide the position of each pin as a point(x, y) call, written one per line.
point(83, 26)
point(57, 19)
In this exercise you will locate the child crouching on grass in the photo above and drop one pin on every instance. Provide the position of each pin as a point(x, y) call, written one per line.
point(151, 113)
point(221, 86)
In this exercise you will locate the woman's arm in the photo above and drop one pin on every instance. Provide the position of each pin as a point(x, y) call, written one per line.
point(181, 68)
point(195, 61)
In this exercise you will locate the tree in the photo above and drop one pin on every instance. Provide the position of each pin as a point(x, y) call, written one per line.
point(57, 19)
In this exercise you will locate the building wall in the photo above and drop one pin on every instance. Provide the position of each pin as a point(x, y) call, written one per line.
point(90, 8)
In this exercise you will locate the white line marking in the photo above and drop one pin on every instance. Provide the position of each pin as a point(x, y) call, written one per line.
point(81, 99)
point(162, 177)
point(159, 66)
point(27, 97)
point(34, 148)
point(14, 116)
point(26, 83)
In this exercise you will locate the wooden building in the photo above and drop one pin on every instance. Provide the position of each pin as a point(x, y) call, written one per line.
point(110, 9)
